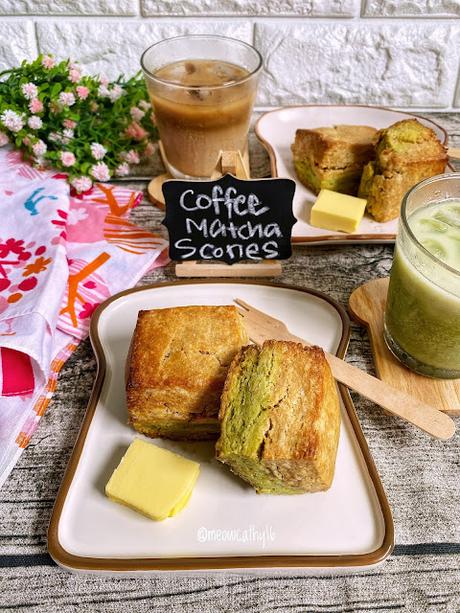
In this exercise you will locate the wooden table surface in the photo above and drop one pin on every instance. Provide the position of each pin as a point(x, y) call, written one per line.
point(420, 475)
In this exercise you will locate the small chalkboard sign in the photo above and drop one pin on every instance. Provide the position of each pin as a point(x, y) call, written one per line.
point(229, 219)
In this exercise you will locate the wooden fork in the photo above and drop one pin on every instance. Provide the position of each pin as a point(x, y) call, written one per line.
point(262, 327)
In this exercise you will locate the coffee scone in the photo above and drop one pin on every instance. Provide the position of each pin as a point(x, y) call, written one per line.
point(178, 362)
point(333, 158)
point(407, 152)
point(280, 418)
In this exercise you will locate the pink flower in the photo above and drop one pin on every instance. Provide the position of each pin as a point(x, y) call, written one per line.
point(26, 141)
point(74, 75)
point(34, 122)
point(67, 135)
point(100, 172)
point(66, 98)
point(55, 137)
point(115, 92)
point(69, 123)
point(82, 184)
point(136, 113)
point(48, 62)
point(149, 150)
point(104, 80)
point(36, 106)
point(82, 92)
point(3, 139)
point(135, 131)
point(39, 148)
point(145, 106)
point(98, 151)
point(132, 157)
point(67, 158)
point(103, 91)
point(12, 120)
point(122, 170)
point(29, 91)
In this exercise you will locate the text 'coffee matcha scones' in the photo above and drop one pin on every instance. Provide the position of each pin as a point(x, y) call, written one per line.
point(406, 153)
point(280, 418)
point(333, 158)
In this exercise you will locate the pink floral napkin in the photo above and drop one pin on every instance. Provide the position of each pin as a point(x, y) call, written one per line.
point(60, 256)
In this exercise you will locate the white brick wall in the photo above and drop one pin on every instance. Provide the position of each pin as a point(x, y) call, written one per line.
point(300, 8)
point(17, 42)
point(414, 8)
point(406, 65)
point(111, 47)
point(401, 53)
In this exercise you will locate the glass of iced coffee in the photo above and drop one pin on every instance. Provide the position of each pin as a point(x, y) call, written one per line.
point(202, 89)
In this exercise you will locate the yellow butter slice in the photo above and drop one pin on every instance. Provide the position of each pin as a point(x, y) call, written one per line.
point(153, 481)
point(339, 212)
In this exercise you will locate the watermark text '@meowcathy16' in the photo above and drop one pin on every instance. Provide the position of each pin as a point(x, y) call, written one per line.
point(251, 534)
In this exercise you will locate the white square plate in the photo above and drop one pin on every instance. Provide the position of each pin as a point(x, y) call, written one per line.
point(226, 524)
point(276, 130)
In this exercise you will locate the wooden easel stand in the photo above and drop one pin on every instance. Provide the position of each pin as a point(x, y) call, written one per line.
point(229, 162)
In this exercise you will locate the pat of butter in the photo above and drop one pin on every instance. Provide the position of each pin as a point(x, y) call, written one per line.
point(335, 211)
point(153, 480)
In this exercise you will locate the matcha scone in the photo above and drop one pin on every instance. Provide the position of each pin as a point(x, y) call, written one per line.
point(407, 152)
point(280, 418)
point(333, 158)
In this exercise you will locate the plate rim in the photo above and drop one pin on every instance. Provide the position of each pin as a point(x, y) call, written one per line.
point(332, 238)
point(211, 563)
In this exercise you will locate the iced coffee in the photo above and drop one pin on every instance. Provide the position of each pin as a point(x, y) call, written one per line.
point(203, 105)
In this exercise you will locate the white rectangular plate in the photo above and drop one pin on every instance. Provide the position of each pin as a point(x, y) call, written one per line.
point(276, 130)
point(226, 524)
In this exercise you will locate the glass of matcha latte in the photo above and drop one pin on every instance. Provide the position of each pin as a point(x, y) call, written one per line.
point(202, 89)
point(422, 317)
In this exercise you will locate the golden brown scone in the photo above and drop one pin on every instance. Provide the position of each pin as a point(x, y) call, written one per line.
point(333, 158)
point(407, 152)
point(179, 359)
point(280, 418)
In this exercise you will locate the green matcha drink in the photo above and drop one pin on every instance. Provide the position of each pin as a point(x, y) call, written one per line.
point(422, 318)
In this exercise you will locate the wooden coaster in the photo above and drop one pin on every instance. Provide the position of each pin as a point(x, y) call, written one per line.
point(154, 190)
point(367, 306)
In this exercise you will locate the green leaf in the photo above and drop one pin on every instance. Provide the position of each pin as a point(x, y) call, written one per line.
point(55, 90)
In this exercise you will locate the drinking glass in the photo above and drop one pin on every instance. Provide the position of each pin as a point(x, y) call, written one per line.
point(422, 316)
point(196, 120)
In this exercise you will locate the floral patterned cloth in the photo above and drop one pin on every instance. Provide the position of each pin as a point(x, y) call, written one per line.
point(60, 256)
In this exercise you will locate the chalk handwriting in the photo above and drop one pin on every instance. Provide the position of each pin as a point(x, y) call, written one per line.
point(229, 219)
